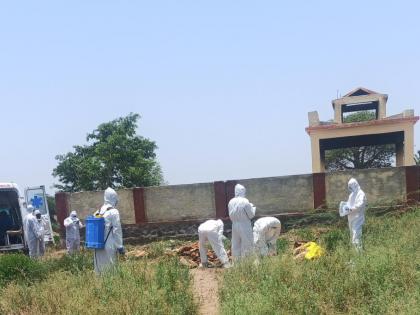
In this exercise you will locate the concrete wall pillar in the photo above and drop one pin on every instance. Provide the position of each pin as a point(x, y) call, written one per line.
point(230, 191)
point(62, 207)
point(382, 107)
point(409, 146)
point(319, 189)
point(337, 114)
point(220, 200)
point(62, 210)
point(399, 152)
point(322, 159)
point(412, 177)
point(317, 165)
point(139, 205)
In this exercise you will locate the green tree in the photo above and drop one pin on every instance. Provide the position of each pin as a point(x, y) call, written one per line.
point(417, 157)
point(365, 115)
point(376, 156)
point(115, 156)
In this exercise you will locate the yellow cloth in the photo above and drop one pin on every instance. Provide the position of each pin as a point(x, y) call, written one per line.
point(313, 250)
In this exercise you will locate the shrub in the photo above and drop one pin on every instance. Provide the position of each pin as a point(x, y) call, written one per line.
point(334, 238)
point(156, 249)
point(20, 268)
point(75, 263)
point(282, 245)
point(305, 234)
point(24, 270)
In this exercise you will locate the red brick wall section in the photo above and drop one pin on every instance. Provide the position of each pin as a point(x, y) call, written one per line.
point(139, 205)
point(62, 210)
point(319, 188)
point(230, 191)
point(62, 207)
point(220, 200)
point(412, 178)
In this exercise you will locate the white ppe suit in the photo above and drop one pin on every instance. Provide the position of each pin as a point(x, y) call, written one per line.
point(72, 225)
point(357, 204)
point(29, 214)
point(241, 211)
point(107, 257)
point(266, 232)
point(35, 235)
point(212, 231)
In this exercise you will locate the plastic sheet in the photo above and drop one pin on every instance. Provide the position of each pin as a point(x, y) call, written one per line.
point(344, 209)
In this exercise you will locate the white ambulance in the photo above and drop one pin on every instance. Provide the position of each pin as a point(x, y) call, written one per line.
point(13, 209)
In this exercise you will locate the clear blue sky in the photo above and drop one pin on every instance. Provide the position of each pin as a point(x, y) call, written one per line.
point(223, 87)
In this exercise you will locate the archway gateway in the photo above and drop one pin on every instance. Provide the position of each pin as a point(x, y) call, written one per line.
point(339, 134)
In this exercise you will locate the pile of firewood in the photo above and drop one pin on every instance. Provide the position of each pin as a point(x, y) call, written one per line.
point(190, 256)
point(137, 253)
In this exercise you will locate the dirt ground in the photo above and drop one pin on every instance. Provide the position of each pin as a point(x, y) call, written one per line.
point(206, 290)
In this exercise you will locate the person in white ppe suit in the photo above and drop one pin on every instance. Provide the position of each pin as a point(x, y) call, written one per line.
point(107, 257)
point(72, 225)
point(266, 232)
point(241, 211)
point(35, 234)
point(212, 231)
point(29, 214)
point(357, 206)
point(29, 234)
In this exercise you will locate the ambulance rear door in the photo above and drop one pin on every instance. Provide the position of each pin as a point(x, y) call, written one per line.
point(36, 197)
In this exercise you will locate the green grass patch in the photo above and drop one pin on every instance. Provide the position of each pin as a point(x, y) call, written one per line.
point(133, 287)
point(385, 279)
point(75, 263)
point(335, 238)
point(282, 245)
point(20, 269)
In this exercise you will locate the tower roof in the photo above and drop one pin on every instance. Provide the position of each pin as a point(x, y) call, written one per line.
point(360, 95)
point(359, 92)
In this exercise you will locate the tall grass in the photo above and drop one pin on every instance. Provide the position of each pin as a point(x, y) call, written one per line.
point(134, 287)
point(20, 269)
point(385, 279)
point(75, 263)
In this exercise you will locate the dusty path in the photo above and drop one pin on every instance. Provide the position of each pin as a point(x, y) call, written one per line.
point(206, 290)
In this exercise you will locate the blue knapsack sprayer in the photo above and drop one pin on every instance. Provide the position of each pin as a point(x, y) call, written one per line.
point(95, 232)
